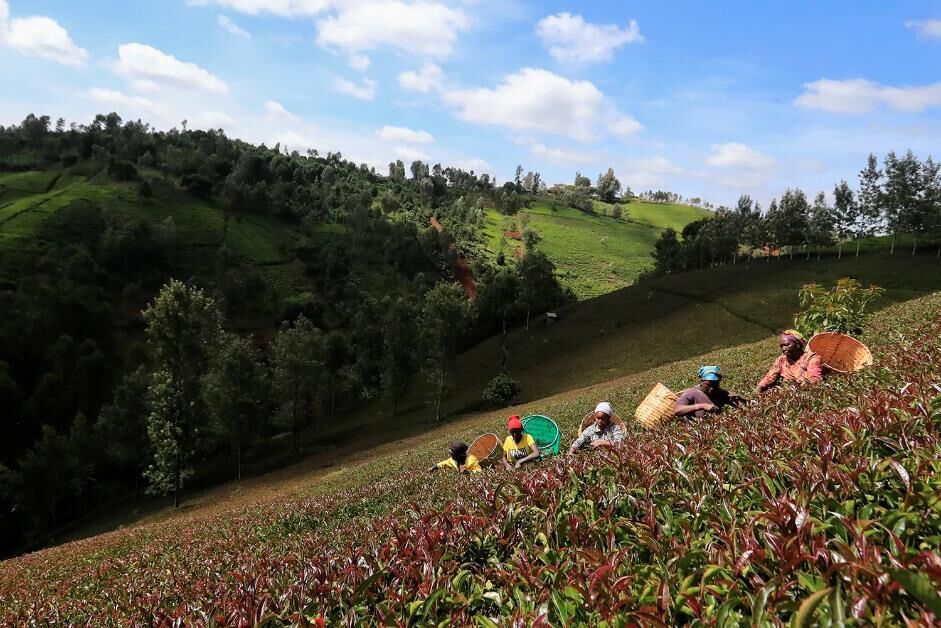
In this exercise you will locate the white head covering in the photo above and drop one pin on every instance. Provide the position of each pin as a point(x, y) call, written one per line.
point(605, 407)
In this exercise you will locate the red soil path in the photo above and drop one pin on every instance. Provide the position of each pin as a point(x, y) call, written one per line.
point(461, 269)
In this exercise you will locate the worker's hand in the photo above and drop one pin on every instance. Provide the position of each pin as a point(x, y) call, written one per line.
point(518, 464)
point(709, 407)
point(598, 444)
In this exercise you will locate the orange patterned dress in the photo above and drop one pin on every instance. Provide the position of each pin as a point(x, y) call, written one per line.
point(807, 369)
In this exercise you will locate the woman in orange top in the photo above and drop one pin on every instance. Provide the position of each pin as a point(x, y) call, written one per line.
point(795, 364)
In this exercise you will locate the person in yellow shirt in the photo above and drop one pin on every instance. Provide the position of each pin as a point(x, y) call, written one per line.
point(460, 460)
point(519, 447)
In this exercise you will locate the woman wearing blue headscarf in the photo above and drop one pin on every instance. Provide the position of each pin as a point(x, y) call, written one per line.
point(707, 398)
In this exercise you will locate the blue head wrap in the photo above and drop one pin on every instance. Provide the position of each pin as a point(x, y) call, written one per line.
point(709, 373)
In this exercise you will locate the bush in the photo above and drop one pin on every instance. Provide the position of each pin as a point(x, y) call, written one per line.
point(841, 309)
point(121, 170)
point(501, 390)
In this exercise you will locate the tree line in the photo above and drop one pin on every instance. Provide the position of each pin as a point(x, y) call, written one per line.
point(903, 196)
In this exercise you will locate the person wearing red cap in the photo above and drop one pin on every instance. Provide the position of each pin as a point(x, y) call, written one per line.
point(519, 447)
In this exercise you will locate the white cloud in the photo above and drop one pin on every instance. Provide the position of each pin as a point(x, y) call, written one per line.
point(213, 120)
point(560, 156)
point(364, 91)
point(626, 126)
point(538, 100)
point(418, 27)
point(650, 172)
point(570, 38)
point(276, 111)
point(232, 27)
point(39, 36)
point(114, 98)
point(476, 164)
point(409, 153)
point(145, 85)
point(282, 8)
point(141, 62)
point(925, 29)
point(736, 155)
point(403, 134)
point(861, 96)
point(427, 78)
point(360, 63)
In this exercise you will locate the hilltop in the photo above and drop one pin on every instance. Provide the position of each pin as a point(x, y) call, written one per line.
point(677, 531)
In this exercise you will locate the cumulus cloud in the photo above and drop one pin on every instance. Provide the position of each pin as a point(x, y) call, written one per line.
point(282, 8)
point(925, 29)
point(276, 111)
point(861, 96)
point(560, 156)
point(539, 100)
point(570, 38)
point(233, 28)
point(420, 27)
point(127, 104)
point(736, 155)
point(39, 36)
point(366, 90)
point(360, 63)
point(141, 62)
point(475, 164)
point(404, 134)
point(409, 153)
point(424, 80)
point(650, 172)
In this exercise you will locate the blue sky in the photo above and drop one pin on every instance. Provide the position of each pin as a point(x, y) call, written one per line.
point(708, 99)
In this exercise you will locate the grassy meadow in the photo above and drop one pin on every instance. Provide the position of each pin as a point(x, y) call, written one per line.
point(594, 253)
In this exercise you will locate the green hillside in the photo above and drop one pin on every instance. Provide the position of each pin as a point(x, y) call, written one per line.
point(594, 253)
point(653, 323)
point(29, 199)
point(675, 515)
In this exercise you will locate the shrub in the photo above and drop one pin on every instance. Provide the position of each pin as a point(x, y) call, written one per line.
point(501, 390)
point(841, 309)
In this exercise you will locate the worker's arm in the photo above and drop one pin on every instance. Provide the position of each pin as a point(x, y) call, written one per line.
point(692, 408)
point(533, 455)
point(771, 377)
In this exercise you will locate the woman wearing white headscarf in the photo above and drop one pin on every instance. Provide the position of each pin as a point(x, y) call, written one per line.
point(602, 434)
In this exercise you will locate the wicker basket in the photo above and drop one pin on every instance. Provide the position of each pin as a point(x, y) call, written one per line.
point(484, 446)
point(658, 406)
point(839, 352)
point(590, 418)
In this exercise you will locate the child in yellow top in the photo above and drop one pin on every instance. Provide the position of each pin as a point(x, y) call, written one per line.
point(519, 447)
point(460, 460)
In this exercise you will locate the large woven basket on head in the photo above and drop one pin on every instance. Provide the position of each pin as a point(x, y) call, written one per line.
point(545, 432)
point(483, 447)
point(839, 352)
point(589, 418)
point(658, 406)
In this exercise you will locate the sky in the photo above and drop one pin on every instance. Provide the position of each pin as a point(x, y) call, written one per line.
point(707, 99)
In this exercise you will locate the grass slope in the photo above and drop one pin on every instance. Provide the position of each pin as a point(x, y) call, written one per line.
point(291, 541)
point(594, 254)
point(29, 198)
point(643, 326)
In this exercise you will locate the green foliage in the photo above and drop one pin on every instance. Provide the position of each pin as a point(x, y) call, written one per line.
point(444, 318)
point(841, 309)
point(297, 372)
point(501, 390)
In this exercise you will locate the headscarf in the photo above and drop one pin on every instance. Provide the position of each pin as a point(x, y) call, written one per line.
point(605, 407)
point(796, 336)
point(514, 423)
point(709, 373)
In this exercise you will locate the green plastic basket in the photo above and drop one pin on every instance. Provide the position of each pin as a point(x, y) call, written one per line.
point(545, 432)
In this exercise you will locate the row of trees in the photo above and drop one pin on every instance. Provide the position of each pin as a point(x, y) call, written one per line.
point(903, 196)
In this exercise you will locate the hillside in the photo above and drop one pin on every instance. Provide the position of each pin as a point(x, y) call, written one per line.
point(643, 326)
point(29, 199)
point(594, 253)
point(677, 531)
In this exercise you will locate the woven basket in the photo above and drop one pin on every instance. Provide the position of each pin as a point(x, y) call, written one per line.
point(483, 447)
point(658, 406)
point(590, 418)
point(839, 352)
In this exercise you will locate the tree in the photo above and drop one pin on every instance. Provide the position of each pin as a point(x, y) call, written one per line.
point(539, 287)
point(901, 192)
point(497, 296)
point(530, 238)
point(870, 199)
point(668, 254)
point(501, 390)
point(846, 216)
point(517, 178)
point(122, 426)
point(582, 181)
point(233, 391)
point(537, 182)
point(820, 224)
point(791, 222)
point(296, 367)
point(444, 316)
point(183, 326)
point(617, 212)
point(608, 186)
point(399, 349)
point(336, 352)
